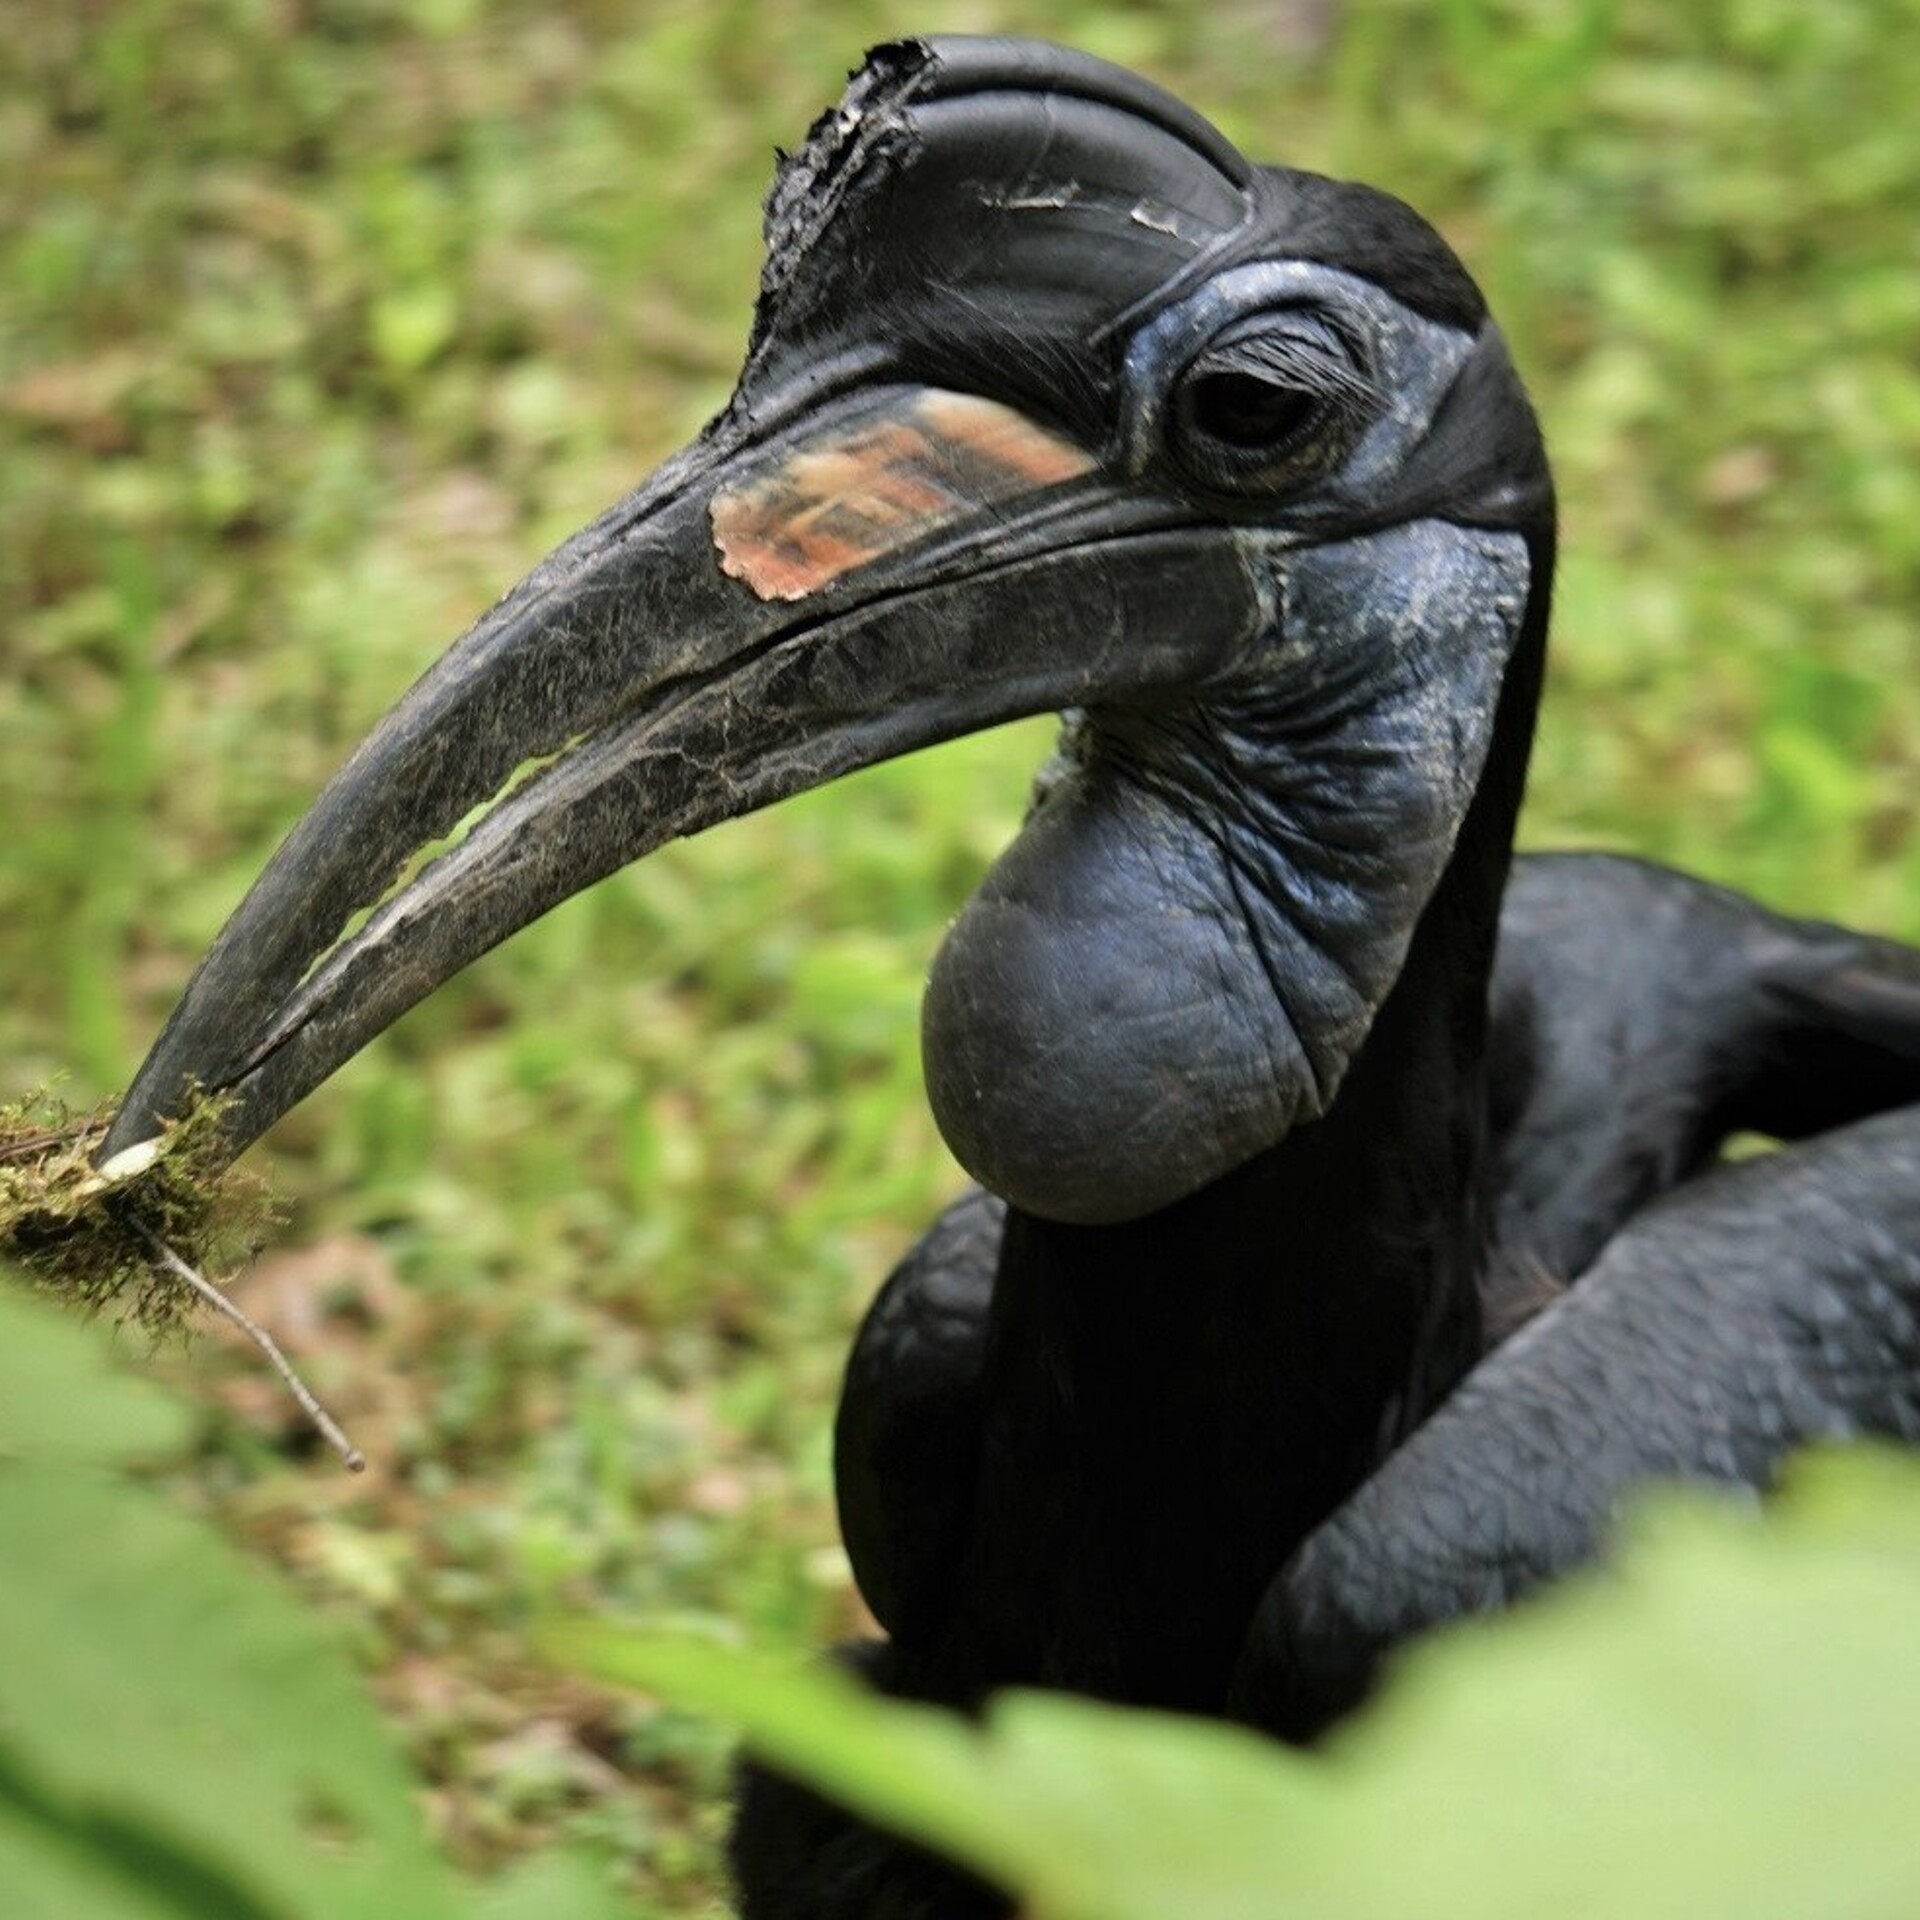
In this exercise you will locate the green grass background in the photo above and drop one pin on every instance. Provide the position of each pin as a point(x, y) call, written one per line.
point(321, 319)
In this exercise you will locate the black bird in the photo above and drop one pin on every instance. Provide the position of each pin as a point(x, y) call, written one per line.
point(1054, 402)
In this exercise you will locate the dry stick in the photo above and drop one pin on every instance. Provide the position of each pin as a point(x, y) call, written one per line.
point(261, 1338)
point(31, 1146)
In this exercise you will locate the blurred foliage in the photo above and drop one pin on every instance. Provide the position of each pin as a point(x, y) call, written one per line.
point(321, 319)
point(1683, 1735)
point(179, 1739)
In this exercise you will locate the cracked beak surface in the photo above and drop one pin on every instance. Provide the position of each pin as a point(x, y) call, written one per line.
point(879, 571)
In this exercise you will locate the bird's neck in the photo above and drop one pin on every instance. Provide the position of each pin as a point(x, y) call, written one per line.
point(1172, 1404)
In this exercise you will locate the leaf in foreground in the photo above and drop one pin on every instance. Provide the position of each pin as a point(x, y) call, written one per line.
point(178, 1737)
point(1728, 1723)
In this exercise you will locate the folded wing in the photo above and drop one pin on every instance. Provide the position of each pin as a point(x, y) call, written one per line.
point(1763, 1306)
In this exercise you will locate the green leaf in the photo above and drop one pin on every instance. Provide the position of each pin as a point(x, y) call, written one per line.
point(60, 1860)
point(52, 1407)
point(177, 1735)
point(914, 1769)
point(1728, 1723)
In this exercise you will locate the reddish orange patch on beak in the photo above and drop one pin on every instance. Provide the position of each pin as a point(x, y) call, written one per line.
point(857, 492)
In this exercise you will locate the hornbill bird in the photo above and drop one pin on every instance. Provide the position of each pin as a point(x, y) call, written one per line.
point(1282, 1121)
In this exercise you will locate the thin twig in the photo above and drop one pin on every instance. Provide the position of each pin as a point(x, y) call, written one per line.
point(31, 1146)
point(261, 1338)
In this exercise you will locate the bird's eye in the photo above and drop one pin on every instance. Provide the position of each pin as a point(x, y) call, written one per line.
point(1243, 410)
point(1269, 403)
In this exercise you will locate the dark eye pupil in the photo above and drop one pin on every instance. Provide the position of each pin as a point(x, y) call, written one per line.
point(1246, 411)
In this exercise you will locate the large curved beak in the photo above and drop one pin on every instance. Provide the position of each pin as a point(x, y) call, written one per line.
point(777, 606)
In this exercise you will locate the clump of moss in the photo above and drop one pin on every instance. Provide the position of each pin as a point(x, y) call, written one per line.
point(99, 1238)
point(131, 1234)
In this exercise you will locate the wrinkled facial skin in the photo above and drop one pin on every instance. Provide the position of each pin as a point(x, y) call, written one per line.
point(1178, 958)
point(1052, 402)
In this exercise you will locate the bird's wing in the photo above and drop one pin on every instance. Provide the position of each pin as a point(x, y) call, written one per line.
point(908, 1430)
point(1767, 1304)
point(1641, 1016)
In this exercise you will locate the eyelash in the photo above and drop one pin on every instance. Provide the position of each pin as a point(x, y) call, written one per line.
point(1247, 405)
